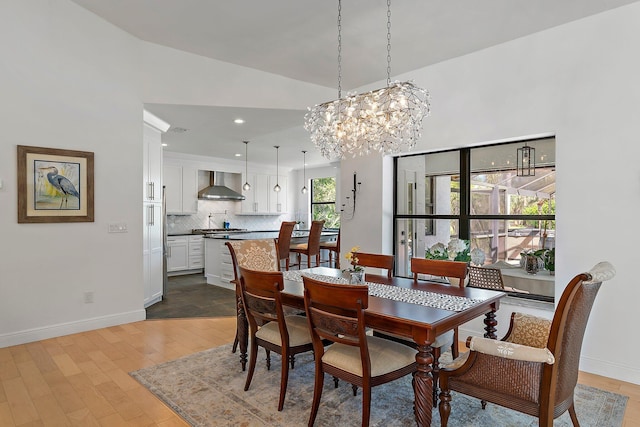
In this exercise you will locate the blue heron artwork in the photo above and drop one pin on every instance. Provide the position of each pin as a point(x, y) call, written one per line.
point(57, 185)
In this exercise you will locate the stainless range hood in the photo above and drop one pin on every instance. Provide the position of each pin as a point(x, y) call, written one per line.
point(217, 190)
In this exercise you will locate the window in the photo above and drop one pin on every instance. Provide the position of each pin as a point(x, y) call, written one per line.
point(476, 195)
point(323, 202)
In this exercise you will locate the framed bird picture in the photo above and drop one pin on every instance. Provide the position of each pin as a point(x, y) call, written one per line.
point(54, 185)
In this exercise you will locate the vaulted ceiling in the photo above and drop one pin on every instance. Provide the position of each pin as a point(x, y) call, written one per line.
point(298, 39)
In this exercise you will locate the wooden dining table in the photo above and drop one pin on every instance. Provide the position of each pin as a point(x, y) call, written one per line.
point(417, 322)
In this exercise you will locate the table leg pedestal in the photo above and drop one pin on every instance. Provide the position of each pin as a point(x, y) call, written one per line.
point(490, 325)
point(423, 386)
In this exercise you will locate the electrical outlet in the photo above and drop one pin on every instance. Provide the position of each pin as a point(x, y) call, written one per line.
point(119, 227)
point(88, 297)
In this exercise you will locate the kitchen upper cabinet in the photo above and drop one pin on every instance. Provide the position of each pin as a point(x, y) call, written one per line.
point(257, 198)
point(181, 190)
point(278, 201)
point(261, 199)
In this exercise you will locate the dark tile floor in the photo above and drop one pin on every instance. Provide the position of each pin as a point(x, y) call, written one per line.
point(191, 296)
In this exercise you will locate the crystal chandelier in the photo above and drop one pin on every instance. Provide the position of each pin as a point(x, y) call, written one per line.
point(388, 120)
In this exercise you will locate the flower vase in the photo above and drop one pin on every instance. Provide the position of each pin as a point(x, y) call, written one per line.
point(531, 265)
point(356, 277)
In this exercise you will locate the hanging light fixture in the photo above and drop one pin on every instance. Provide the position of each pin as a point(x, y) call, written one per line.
point(277, 186)
point(246, 186)
point(304, 172)
point(388, 120)
point(526, 161)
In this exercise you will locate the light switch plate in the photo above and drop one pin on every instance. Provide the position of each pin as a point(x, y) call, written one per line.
point(118, 227)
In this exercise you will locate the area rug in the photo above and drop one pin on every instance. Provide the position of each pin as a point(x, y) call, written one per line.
point(206, 389)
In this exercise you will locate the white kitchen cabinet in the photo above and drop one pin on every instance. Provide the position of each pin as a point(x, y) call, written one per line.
point(196, 252)
point(177, 253)
point(218, 267)
point(278, 201)
point(181, 190)
point(261, 199)
point(152, 250)
point(152, 165)
point(152, 246)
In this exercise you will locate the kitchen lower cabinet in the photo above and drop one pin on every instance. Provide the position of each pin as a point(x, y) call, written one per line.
point(177, 253)
point(218, 267)
point(196, 252)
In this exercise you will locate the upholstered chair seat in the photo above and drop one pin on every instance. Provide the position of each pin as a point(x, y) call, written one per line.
point(297, 327)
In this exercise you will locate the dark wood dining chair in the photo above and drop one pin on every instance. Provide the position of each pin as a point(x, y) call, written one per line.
point(284, 242)
point(385, 262)
point(269, 327)
point(312, 247)
point(261, 254)
point(335, 313)
point(333, 249)
point(534, 368)
point(456, 271)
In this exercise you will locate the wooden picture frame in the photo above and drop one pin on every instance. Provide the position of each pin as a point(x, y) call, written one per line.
point(54, 185)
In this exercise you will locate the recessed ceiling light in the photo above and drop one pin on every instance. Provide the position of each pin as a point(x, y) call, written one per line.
point(238, 121)
point(237, 154)
point(164, 144)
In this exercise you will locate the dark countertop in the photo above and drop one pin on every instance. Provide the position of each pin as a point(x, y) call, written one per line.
point(270, 234)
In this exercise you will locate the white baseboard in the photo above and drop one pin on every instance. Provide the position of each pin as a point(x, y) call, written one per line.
point(61, 329)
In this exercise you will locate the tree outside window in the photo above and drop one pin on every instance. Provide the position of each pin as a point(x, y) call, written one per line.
point(323, 202)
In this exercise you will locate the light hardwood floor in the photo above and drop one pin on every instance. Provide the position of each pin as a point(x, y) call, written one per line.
point(83, 380)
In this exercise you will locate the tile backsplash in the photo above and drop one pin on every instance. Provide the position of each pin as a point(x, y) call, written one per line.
point(217, 209)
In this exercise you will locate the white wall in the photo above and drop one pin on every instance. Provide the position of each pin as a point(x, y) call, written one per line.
point(579, 82)
point(71, 80)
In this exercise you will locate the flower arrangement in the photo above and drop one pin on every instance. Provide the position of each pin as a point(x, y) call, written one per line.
point(456, 250)
point(353, 259)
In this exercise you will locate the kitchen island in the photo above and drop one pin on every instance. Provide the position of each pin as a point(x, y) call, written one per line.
point(218, 267)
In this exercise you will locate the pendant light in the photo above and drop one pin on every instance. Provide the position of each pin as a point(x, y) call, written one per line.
point(526, 161)
point(246, 186)
point(304, 173)
point(277, 187)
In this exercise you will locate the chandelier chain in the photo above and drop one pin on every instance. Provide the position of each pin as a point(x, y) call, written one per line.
point(339, 49)
point(388, 42)
point(387, 120)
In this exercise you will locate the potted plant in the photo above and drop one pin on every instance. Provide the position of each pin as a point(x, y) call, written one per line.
point(549, 258)
point(532, 260)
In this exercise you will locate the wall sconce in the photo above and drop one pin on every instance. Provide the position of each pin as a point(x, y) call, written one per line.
point(351, 200)
point(526, 161)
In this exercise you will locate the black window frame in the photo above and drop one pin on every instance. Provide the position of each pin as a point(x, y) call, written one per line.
point(465, 217)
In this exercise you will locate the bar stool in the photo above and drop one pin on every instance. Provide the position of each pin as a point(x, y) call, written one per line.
point(284, 242)
point(333, 248)
point(312, 247)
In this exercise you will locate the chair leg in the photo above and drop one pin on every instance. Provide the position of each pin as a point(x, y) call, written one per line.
point(574, 417)
point(292, 360)
point(337, 259)
point(284, 378)
point(235, 343)
point(444, 407)
point(317, 392)
point(366, 405)
point(355, 389)
point(286, 265)
point(253, 354)
point(299, 259)
point(268, 359)
point(435, 373)
point(335, 382)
